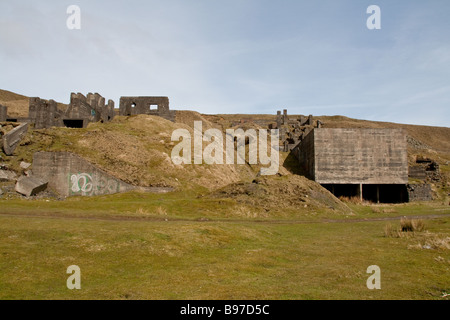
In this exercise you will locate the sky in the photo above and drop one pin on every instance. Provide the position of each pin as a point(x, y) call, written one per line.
point(237, 56)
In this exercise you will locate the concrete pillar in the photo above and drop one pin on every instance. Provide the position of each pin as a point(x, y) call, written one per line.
point(378, 194)
point(302, 120)
point(278, 119)
point(360, 192)
point(3, 113)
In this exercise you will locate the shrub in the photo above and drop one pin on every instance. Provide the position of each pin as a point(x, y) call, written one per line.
point(406, 225)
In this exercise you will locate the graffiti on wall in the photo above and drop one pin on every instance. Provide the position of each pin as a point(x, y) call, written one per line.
point(88, 184)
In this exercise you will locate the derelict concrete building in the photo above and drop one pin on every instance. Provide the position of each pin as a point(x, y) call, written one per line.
point(369, 163)
point(81, 111)
point(156, 106)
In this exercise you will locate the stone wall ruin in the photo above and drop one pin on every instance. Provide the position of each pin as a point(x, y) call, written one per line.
point(81, 111)
point(156, 106)
point(292, 131)
point(420, 192)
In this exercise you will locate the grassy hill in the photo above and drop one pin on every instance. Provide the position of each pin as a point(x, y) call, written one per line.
point(138, 149)
point(18, 104)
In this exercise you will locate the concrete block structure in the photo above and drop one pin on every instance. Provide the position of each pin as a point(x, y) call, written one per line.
point(44, 114)
point(12, 139)
point(30, 186)
point(292, 131)
point(156, 106)
point(369, 163)
point(420, 192)
point(81, 111)
point(71, 175)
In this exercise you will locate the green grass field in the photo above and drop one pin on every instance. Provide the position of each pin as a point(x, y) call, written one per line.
point(179, 246)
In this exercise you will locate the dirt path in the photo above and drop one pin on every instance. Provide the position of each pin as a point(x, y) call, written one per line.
point(56, 215)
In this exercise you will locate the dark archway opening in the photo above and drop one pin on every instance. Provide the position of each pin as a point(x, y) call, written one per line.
point(376, 193)
point(343, 190)
point(385, 193)
point(73, 123)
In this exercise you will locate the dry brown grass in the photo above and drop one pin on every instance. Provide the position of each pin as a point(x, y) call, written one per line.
point(246, 212)
point(378, 209)
point(408, 227)
point(412, 225)
point(432, 241)
point(353, 200)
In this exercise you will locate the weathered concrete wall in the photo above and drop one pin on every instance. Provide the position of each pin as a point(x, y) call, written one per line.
point(83, 110)
point(358, 156)
point(293, 131)
point(417, 172)
point(142, 105)
point(419, 192)
point(71, 175)
point(305, 154)
point(12, 139)
point(90, 108)
point(44, 114)
point(3, 113)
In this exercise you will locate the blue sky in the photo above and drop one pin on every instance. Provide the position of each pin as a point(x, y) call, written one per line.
point(237, 56)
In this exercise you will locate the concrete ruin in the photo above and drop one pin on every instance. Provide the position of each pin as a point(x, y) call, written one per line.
point(44, 114)
point(419, 192)
point(7, 175)
point(292, 131)
point(81, 111)
point(371, 164)
point(30, 186)
point(425, 169)
point(71, 175)
point(156, 106)
point(3, 113)
point(12, 139)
